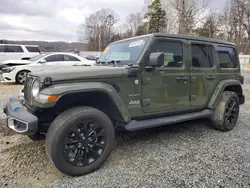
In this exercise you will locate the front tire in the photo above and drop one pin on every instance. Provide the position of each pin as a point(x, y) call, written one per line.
point(80, 140)
point(226, 113)
point(21, 77)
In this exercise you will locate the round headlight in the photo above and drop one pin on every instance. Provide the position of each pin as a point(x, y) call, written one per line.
point(35, 88)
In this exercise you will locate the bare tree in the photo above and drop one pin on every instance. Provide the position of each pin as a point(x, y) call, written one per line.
point(235, 21)
point(188, 14)
point(98, 29)
point(210, 26)
point(134, 21)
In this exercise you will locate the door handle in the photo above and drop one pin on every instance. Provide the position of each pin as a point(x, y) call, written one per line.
point(182, 78)
point(210, 77)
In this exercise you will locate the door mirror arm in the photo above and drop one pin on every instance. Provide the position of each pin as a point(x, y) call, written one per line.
point(149, 68)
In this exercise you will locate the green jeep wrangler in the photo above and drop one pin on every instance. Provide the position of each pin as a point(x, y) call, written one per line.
point(148, 81)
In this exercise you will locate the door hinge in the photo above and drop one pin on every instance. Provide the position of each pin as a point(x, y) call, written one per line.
point(146, 102)
point(146, 80)
point(192, 97)
point(193, 78)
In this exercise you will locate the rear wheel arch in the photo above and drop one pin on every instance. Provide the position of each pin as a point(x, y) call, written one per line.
point(225, 85)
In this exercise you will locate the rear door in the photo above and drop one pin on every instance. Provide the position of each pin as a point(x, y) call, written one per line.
point(166, 89)
point(13, 52)
point(70, 60)
point(56, 59)
point(203, 72)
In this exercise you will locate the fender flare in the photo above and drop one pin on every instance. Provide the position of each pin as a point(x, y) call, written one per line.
point(64, 89)
point(219, 90)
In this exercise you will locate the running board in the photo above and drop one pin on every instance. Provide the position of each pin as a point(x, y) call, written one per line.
point(134, 125)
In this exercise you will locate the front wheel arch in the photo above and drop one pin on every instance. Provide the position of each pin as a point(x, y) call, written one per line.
point(105, 103)
point(16, 77)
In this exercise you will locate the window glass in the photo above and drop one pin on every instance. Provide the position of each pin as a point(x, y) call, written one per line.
point(173, 56)
point(227, 57)
point(32, 49)
point(54, 58)
point(13, 48)
point(202, 55)
point(2, 49)
point(70, 58)
point(124, 52)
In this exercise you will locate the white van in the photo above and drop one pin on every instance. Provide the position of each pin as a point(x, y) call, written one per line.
point(16, 51)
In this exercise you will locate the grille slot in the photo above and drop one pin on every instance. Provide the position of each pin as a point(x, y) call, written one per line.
point(27, 89)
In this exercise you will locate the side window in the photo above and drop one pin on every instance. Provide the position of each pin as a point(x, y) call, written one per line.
point(173, 52)
point(32, 49)
point(202, 55)
point(227, 57)
point(2, 49)
point(70, 58)
point(54, 58)
point(13, 49)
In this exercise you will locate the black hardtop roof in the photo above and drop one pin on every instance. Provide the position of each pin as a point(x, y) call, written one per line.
point(204, 39)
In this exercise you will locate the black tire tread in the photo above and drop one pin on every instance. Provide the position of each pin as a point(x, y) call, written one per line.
point(58, 123)
point(218, 115)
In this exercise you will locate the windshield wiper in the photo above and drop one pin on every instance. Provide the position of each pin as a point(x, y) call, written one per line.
point(115, 62)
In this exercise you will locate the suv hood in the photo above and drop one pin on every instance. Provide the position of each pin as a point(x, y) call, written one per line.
point(81, 72)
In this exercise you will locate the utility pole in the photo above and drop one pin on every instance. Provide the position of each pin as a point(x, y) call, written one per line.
point(182, 8)
point(99, 38)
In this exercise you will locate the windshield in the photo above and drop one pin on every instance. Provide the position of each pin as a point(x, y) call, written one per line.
point(37, 57)
point(124, 52)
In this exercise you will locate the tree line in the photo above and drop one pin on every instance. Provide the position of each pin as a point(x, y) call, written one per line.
point(229, 22)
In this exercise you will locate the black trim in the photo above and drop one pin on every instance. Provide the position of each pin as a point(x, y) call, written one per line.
point(134, 71)
point(144, 124)
point(152, 116)
point(21, 115)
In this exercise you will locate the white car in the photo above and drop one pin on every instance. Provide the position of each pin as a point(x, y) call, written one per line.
point(17, 74)
point(16, 51)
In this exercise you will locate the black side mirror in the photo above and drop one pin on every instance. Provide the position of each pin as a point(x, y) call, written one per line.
point(155, 60)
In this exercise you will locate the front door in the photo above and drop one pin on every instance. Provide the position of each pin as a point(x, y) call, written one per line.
point(166, 88)
point(203, 73)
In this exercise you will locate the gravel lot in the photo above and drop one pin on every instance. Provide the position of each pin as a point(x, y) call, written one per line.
point(189, 154)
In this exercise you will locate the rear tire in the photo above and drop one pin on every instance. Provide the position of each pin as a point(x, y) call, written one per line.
point(78, 135)
point(226, 113)
point(21, 76)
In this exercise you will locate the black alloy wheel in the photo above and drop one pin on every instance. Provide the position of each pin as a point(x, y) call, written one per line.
point(84, 143)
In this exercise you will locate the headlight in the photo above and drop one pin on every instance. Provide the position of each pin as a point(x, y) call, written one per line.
point(35, 88)
point(7, 70)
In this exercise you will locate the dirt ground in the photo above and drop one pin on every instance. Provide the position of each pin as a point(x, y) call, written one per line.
point(22, 160)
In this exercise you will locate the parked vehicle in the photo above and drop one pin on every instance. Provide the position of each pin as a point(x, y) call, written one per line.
point(93, 57)
point(157, 79)
point(16, 51)
point(17, 74)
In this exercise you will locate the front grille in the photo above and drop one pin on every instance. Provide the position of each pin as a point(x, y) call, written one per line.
point(27, 89)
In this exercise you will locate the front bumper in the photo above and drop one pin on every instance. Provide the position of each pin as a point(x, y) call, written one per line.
point(8, 78)
point(19, 119)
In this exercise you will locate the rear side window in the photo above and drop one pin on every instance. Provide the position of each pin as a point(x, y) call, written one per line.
point(2, 49)
point(202, 56)
point(13, 49)
point(173, 56)
point(33, 49)
point(227, 57)
point(54, 58)
point(70, 58)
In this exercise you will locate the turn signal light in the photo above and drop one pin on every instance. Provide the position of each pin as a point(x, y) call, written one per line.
point(52, 98)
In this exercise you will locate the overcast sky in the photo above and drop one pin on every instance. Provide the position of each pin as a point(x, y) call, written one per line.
point(57, 19)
